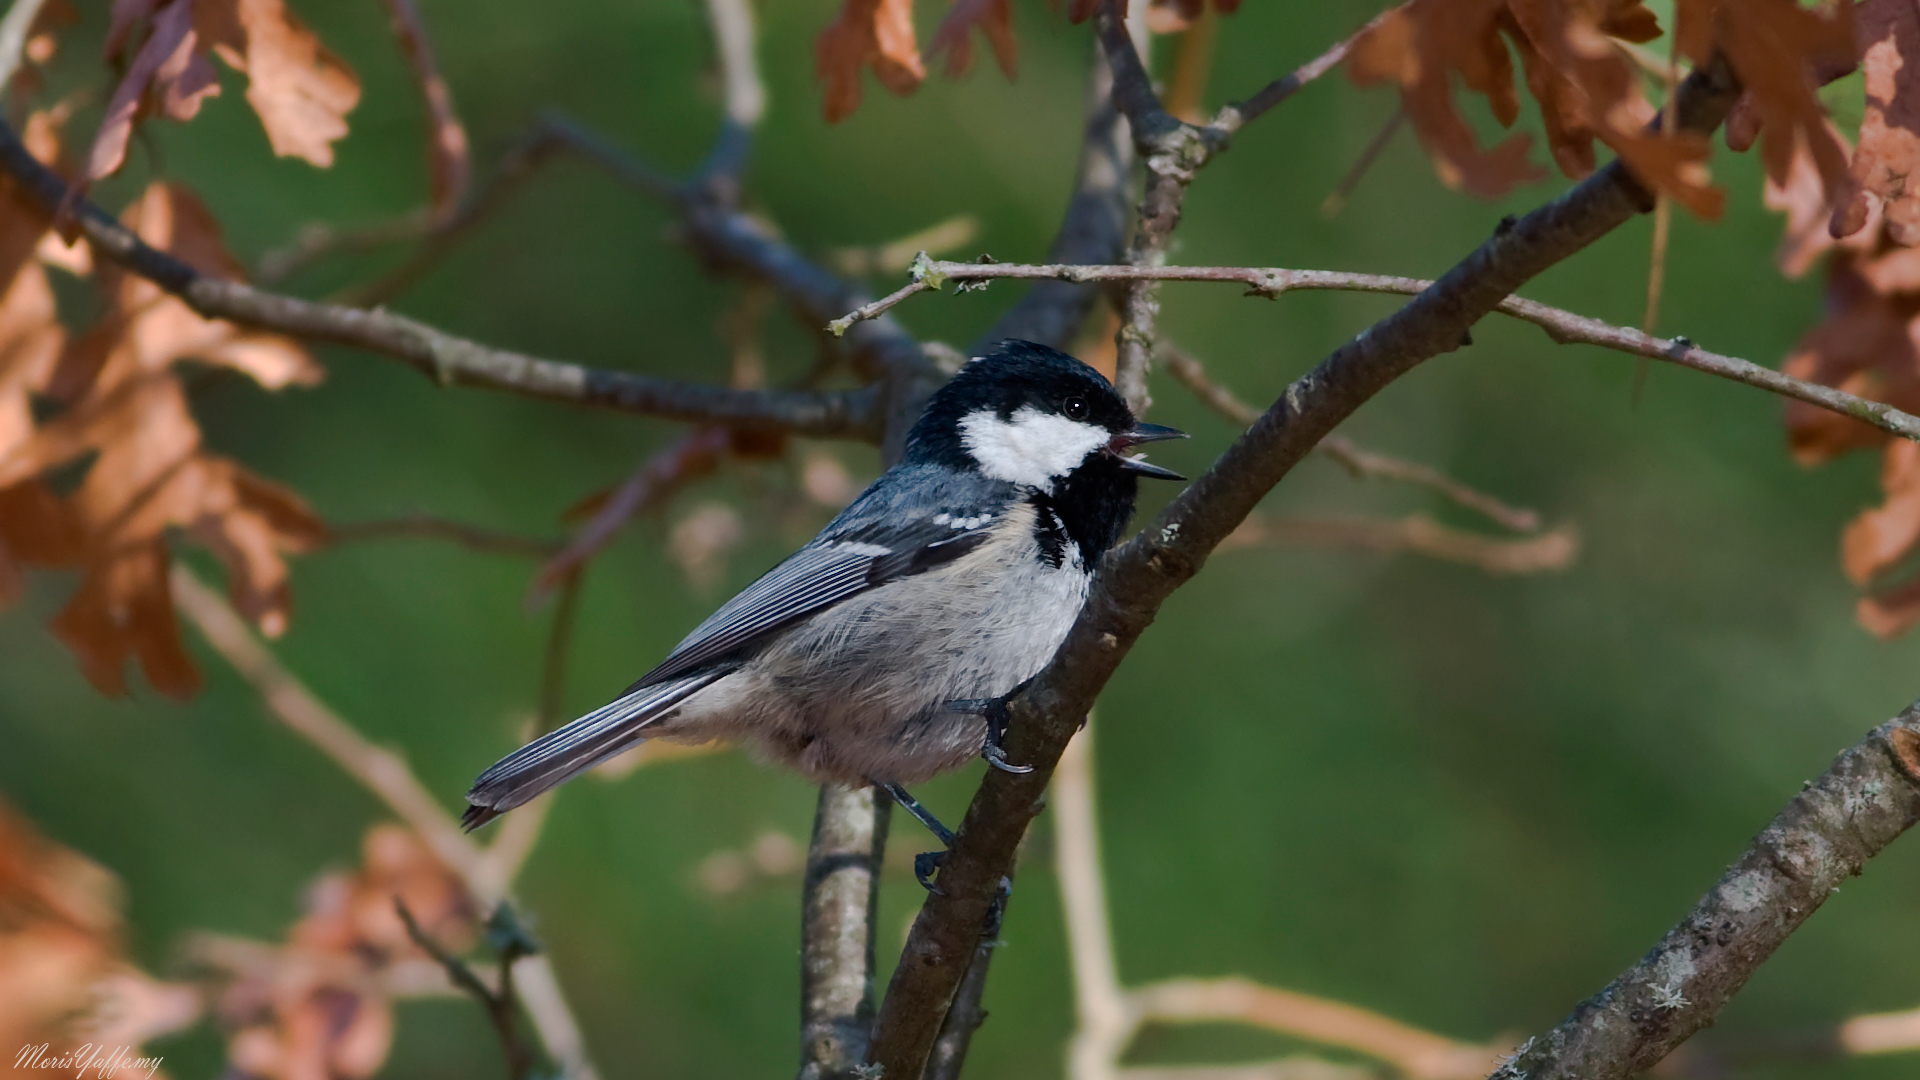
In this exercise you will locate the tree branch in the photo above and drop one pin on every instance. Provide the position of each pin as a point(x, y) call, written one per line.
point(1417, 535)
point(444, 357)
point(1869, 796)
point(1135, 579)
point(839, 901)
point(1564, 327)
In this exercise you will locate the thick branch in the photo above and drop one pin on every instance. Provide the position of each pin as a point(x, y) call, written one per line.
point(1869, 796)
point(1137, 578)
point(1564, 327)
point(839, 903)
point(439, 355)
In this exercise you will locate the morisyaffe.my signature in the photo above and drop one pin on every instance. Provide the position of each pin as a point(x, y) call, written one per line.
point(98, 1060)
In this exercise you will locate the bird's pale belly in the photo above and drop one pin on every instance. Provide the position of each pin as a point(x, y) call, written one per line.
point(861, 696)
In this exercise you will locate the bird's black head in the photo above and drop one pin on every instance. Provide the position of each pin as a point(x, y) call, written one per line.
point(1032, 416)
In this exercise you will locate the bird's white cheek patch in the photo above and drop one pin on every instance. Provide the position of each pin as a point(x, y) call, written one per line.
point(1030, 447)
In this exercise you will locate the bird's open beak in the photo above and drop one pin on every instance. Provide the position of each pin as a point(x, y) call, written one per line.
point(1144, 433)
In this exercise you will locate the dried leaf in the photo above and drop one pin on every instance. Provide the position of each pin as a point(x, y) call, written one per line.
point(1776, 46)
point(1417, 47)
point(1880, 538)
point(447, 153)
point(1588, 89)
point(301, 91)
point(169, 75)
point(1802, 196)
point(147, 473)
point(1889, 153)
point(1866, 347)
point(876, 32)
point(1889, 614)
point(315, 1008)
point(63, 980)
point(994, 18)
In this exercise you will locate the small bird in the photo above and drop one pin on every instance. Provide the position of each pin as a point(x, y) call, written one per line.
point(882, 652)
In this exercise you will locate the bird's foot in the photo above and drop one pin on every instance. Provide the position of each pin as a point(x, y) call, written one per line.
point(927, 863)
point(997, 715)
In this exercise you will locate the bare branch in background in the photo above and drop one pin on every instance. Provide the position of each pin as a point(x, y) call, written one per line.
point(1336, 199)
point(1136, 578)
point(1869, 796)
point(425, 526)
point(385, 773)
point(1564, 327)
point(689, 457)
point(1362, 463)
point(499, 1000)
point(444, 357)
point(1416, 535)
point(839, 902)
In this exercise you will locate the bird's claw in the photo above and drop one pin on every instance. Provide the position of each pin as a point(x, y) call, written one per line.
point(925, 865)
point(992, 748)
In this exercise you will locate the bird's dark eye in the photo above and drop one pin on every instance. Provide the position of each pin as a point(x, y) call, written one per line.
point(1075, 408)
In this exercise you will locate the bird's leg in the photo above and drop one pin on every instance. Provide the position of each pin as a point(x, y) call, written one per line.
point(998, 716)
point(927, 862)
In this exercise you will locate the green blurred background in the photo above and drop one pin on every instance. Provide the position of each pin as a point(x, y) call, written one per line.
point(1464, 801)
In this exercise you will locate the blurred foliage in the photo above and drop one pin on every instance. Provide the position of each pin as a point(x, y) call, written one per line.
point(1462, 801)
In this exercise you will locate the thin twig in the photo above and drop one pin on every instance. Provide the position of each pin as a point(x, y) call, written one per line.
point(1417, 534)
point(1414, 1053)
point(433, 527)
point(448, 161)
point(502, 1004)
point(692, 455)
point(1105, 1021)
point(1235, 116)
point(1360, 462)
point(1336, 199)
point(1564, 327)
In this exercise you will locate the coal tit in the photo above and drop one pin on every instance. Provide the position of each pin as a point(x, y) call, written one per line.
point(874, 654)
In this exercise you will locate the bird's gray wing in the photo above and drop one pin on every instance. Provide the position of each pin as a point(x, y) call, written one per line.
point(831, 569)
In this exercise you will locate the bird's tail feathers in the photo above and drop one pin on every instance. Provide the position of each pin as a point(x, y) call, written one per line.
point(559, 756)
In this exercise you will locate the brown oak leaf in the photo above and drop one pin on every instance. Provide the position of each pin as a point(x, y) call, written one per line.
point(169, 75)
point(1779, 49)
point(1889, 151)
point(301, 91)
point(316, 1008)
point(1419, 47)
point(65, 983)
point(1587, 90)
point(867, 32)
point(994, 19)
point(126, 417)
